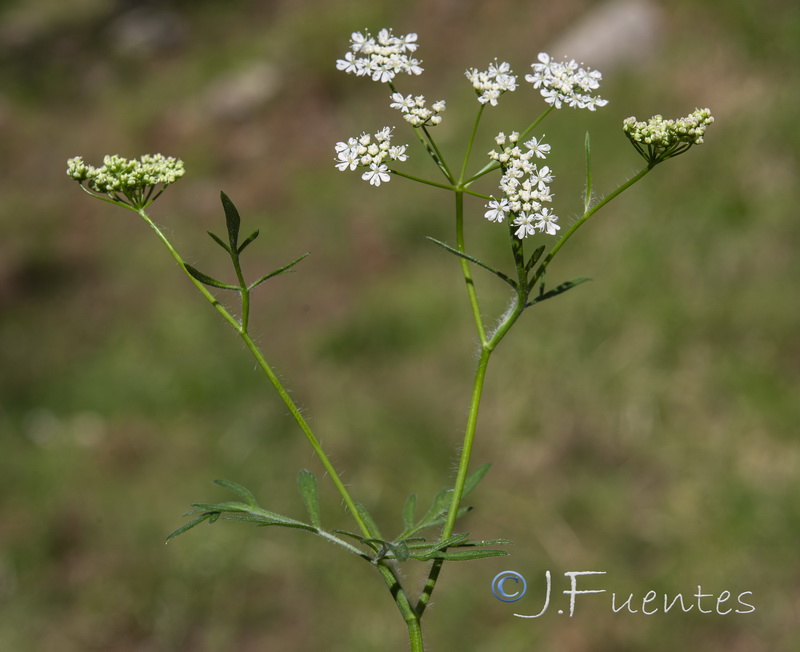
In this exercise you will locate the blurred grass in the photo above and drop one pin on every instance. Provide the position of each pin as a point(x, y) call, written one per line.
point(643, 424)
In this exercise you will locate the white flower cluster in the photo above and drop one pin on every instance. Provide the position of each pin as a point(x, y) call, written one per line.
point(380, 58)
point(565, 82)
point(366, 152)
point(524, 185)
point(659, 139)
point(490, 84)
point(415, 112)
point(129, 177)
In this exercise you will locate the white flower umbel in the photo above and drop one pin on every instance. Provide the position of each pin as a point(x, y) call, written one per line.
point(524, 185)
point(491, 83)
point(415, 112)
point(130, 181)
point(564, 82)
point(381, 58)
point(370, 152)
point(659, 139)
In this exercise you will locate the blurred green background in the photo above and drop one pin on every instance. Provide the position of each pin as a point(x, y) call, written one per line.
point(644, 424)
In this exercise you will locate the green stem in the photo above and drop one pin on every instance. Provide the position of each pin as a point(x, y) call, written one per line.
point(469, 144)
point(473, 296)
point(256, 352)
point(587, 214)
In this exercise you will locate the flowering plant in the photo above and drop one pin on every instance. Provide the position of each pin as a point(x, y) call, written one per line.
point(522, 201)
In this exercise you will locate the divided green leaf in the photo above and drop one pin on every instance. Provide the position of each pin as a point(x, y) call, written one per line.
point(205, 279)
point(557, 290)
point(472, 259)
point(307, 484)
point(233, 221)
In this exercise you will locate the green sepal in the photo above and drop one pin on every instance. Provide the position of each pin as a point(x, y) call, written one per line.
point(307, 485)
point(250, 239)
point(278, 271)
point(472, 259)
point(219, 241)
point(239, 490)
point(557, 290)
point(205, 279)
point(232, 219)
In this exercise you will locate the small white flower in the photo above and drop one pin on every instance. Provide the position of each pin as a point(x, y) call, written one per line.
point(565, 82)
point(376, 174)
point(404, 104)
point(547, 221)
point(497, 210)
point(539, 148)
point(525, 223)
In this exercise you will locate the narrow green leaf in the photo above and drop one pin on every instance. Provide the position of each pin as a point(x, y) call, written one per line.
point(239, 490)
point(267, 522)
point(408, 511)
point(280, 270)
point(558, 290)
point(440, 520)
point(472, 259)
point(535, 256)
point(219, 241)
point(232, 219)
point(368, 521)
point(307, 484)
point(474, 478)
point(188, 526)
point(439, 505)
point(464, 555)
point(250, 239)
point(208, 280)
point(588, 196)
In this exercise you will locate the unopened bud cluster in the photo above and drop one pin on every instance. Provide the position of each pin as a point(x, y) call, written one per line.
point(524, 185)
point(491, 83)
point(130, 178)
point(370, 152)
point(381, 58)
point(415, 112)
point(566, 82)
point(659, 139)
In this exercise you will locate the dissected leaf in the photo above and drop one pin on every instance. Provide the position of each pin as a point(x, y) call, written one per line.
point(474, 478)
point(278, 271)
point(219, 241)
point(188, 526)
point(408, 511)
point(466, 555)
point(368, 521)
point(472, 259)
point(557, 290)
point(535, 256)
point(307, 484)
point(208, 280)
point(239, 490)
point(232, 219)
point(249, 239)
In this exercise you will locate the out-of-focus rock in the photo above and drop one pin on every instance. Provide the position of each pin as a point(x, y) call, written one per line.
point(238, 95)
point(146, 31)
point(613, 35)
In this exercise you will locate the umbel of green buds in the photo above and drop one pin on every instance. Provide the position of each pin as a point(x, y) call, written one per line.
point(137, 183)
point(659, 139)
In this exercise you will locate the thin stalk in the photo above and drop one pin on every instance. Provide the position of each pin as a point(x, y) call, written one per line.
point(256, 352)
point(470, 143)
point(473, 295)
point(587, 214)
